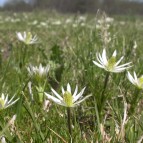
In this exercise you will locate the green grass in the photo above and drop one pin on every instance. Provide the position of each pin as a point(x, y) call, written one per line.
point(69, 48)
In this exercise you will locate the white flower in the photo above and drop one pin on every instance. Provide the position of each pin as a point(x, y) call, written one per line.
point(68, 21)
point(135, 45)
point(3, 139)
point(110, 64)
point(138, 82)
point(26, 37)
point(30, 90)
point(58, 22)
point(11, 122)
point(105, 20)
point(41, 71)
point(67, 99)
point(46, 105)
point(5, 103)
point(109, 19)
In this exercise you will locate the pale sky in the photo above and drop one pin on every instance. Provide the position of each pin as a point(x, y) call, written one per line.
point(3, 2)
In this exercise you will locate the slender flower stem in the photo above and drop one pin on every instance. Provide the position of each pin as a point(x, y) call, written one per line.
point(24, 55)
point(134, 101)
point(97, 115)
point(102, 97)
point(105, 86)
point(69, 120)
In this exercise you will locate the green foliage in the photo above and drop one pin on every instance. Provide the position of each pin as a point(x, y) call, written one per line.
point(69, 44)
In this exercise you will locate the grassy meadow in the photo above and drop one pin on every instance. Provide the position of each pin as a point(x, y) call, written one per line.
point(68, 44)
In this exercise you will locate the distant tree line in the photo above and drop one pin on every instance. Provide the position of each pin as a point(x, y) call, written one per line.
point(82, 6)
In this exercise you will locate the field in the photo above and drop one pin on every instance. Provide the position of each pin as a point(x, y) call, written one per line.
point(65, 53)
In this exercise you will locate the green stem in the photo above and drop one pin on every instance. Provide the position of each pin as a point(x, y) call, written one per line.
point(97, 115)
point(134, 101)
point(41, 93)
point(24, 54)
point(69, 121)
point(103, 99)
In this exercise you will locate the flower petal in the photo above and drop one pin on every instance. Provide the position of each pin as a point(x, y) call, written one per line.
point(118, 62)
point(123, 65)
point(114, 53)
point(131, 79)
point(78, 102)
point(58, 101)
point(97, 64)
point(75, 92)
point(63, 91)
point(12, 103)
point(100, 60)
point(56, 94)
point(69, 88)
point(19, 36)
point(10, 99)
point(104, 56)
point(79, 95)
point(135, 77)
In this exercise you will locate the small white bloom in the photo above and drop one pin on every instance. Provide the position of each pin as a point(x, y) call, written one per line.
point(43, 23)
point(68, 21)
point(138, 82)
point(58, 22)
point(46, 105)
point(106, 20)
point(109, 19)
point(3, 139)
point(67, 99)
point(41, 71)
point(4, 103)
point(11, 122)
point(82, 18)
point(34, 22)
point(30, 90)
point(110, 64)
point(26, 37)
point(135, 45)
point(74, 25)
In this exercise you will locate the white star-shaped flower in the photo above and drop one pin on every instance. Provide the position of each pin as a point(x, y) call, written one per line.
point(138, 82)
point(27, 38)
point(40, 71)
point(111, 65)
point(5, 103)
point(67, 99)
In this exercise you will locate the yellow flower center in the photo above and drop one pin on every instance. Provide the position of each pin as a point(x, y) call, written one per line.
point(28, 38)
point(111, 63)
point(140, 82)
point(68, 99)
point(1, 103)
